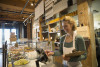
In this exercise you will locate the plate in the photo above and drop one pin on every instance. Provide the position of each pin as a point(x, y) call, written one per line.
point(21, 62)
point(77, 53)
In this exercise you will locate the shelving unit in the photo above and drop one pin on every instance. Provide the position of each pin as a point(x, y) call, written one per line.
point(51, 27)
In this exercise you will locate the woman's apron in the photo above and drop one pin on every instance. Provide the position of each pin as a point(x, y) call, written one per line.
point(69, 50)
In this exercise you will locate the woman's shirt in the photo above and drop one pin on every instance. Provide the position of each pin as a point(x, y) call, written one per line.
point(79, 46)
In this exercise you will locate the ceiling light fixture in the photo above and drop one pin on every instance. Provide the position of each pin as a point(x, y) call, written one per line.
point(31, 4)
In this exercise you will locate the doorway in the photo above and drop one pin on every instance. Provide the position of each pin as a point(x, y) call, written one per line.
point(6, 35)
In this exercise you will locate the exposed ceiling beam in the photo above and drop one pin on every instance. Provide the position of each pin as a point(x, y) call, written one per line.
point(14, 8)
point(9, 19)
point(13, 16)
point(24, 6)
point(13, 12)
point(19, 3)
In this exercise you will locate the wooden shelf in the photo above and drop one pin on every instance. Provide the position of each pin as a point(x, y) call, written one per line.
point(45, 26)
point(45, 41)
point(53, 32)
point(45, 32)
point(61, 29)
point(57, 42)
point(54, 23)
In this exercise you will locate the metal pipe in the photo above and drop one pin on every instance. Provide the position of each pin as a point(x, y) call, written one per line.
point(24, 6)
point(14, 12)
point(28, 18)
point(33, 12)
point(38, 3)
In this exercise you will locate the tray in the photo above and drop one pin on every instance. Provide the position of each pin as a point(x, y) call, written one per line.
point(77, 53)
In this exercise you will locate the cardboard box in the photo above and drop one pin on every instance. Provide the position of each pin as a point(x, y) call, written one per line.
point(13, 39)
point(12, 36)
point(12, 33)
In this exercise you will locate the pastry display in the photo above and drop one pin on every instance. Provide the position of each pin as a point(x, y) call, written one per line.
point(14, 52)
point(17, 49)
point(9, 65)
point(15, 55)
point(21, 62)
point(18, 57)
point(28, 49)
point(9, 59)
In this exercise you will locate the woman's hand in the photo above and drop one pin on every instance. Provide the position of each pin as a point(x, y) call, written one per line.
point(49, 53)
point(66, 58)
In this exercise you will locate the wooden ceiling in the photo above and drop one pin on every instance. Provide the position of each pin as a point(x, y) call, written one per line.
point(15, 10)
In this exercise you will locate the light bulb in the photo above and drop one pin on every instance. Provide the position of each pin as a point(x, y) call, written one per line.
point(31, 4)
point(51, 37)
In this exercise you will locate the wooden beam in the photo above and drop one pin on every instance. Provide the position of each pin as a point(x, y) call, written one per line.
point(29, 31)
point(6, 16)
point(74, 13)
point(9, 19)
point(3, 14)
point(85, 17)
point(14, 8)
point(40, 28)
point(13, 12)
point(17, 3)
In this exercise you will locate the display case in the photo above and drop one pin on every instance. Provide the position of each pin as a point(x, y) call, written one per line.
point(27, 53)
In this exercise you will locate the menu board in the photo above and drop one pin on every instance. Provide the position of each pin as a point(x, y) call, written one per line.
point(83, 31)
point(39, 10)
point(60, 6)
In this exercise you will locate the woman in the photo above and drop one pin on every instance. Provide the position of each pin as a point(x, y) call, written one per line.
point(69, 42)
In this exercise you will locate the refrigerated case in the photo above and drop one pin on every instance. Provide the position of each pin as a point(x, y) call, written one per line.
point(26, 55)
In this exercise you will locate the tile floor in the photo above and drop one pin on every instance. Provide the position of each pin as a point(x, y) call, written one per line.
point(0, 59)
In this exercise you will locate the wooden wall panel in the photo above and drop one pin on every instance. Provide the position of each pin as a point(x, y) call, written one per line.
point(85, 17)
point(29, 31)
point(40, 30)
point(83, 12)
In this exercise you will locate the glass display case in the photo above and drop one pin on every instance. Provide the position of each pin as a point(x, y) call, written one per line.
point(25, 53)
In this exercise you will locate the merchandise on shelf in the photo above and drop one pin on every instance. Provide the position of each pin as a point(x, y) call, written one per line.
point(53, 30)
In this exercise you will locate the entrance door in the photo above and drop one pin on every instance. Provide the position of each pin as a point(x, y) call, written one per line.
point(7, 35)
point(0, 38)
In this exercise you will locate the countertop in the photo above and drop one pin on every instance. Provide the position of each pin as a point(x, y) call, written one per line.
point(33, 64)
